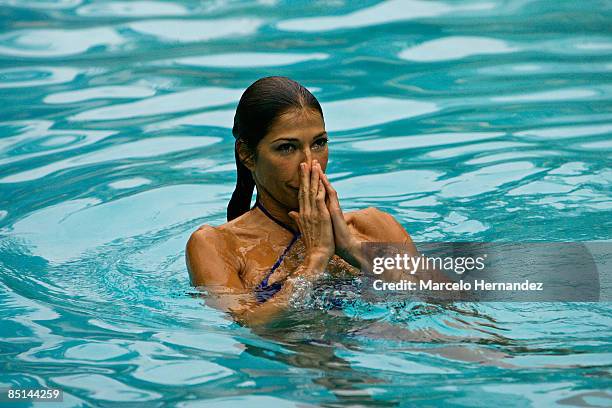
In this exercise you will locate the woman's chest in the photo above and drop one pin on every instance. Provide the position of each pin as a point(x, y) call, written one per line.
point(270, 263)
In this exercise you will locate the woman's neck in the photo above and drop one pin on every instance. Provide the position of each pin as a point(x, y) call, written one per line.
point(276, 209)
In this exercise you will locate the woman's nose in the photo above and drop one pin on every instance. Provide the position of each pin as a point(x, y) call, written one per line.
point(306, 155)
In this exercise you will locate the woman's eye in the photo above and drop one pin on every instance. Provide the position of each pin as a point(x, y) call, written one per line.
point(285, 148)
point(321, 143)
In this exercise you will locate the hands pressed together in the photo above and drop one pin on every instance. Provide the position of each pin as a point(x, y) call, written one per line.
point(320, 219)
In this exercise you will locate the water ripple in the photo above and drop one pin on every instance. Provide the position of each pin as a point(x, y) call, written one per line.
point(35, 76)
point(250, 59)
point(163, 104)
point(58, 43)
point(372, 111)
point(186, 373)
point(139, 149)
point(100, 92)
point(451, 48)
point(196, 30)
point(468, 122)
point(132, 9)
point(382, 13)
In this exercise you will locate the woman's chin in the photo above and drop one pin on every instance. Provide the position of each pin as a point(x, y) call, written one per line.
point(294, 204)
point(293, 199)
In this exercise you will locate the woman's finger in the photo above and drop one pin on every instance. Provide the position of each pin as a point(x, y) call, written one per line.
point(335, 211)
point(320, 199)
point(314, 182)
point(304, 200)
point(296, 218)
point(331, 194)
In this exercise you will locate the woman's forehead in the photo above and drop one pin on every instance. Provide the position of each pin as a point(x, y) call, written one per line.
point(301, 122)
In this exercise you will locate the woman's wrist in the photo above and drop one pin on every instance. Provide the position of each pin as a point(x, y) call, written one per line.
point(317, 259)
point(352, 253)
point(313, 266)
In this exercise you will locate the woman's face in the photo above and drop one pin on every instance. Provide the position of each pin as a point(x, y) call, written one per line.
point(295, 137)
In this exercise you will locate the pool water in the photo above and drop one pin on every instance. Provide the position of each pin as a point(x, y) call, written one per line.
point(468, 121)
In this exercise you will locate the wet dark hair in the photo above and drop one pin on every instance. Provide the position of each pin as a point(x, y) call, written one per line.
point(264, 101)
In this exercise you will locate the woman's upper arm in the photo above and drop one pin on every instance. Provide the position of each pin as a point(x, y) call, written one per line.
point(207, 262)
point(211, 261)
point(380, 226)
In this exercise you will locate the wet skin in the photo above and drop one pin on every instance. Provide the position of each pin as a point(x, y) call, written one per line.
point(289, 170)
point(232, 259)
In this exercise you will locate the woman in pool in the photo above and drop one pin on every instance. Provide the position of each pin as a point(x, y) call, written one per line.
point(266, 255)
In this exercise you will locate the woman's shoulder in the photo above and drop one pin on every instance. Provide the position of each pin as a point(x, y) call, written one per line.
point(376, 224)
point(213, 256)
point(367, 215)
point(227, 235)
point(209, 239)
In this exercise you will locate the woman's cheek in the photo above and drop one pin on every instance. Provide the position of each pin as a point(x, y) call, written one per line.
point(323, 157)
point(287, 172)
point(273, 175)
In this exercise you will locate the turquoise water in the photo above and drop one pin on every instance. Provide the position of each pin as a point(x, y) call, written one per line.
point(468, 121)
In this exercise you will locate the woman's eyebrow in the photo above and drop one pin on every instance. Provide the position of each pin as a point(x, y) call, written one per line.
point(288, 139)
point(293, 139)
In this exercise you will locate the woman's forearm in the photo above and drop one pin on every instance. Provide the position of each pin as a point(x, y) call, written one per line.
point(310, 270)
point(352, 254)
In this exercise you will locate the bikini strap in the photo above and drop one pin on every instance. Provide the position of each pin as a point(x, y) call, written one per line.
point(264, 282)
point(279, 222)
point(263, 285)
